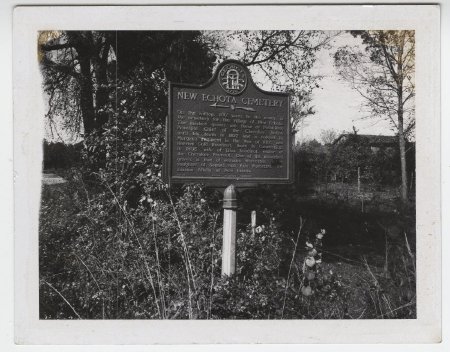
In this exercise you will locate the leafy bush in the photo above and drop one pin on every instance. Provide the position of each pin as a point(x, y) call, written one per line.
point(117, 243)
point(102, 259)
point(59, 155)
point(160, 259)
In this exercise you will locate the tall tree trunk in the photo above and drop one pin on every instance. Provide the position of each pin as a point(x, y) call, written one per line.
point(401, 143)
point(102, 93)
point(84, 46)
point(86, 95)
point(401, 140)
point(401, 134)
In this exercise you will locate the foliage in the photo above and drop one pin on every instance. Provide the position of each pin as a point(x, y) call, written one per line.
point(129, 263)
point(312, 264)
point(81, 70)
point(61, 156)
point(328, 136)
point(283, 58)
point(391, 294)
point(347, 157)
point(317, 163)
point(311, 162)
point(117, 243)
point(384, 75)
point(161, 259)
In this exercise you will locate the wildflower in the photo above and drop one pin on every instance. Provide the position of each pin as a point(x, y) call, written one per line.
point(307, 290)
point(321, 234)
point(310, 275)
point(259, 229)
point(312, 252)
point(202, 200)
point(310, 261)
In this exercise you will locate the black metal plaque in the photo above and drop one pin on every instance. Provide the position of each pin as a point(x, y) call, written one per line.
point(228, 131)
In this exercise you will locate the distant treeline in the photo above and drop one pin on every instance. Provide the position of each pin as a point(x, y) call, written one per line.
point(61, 156)
point(314, 162)
point(317, 163)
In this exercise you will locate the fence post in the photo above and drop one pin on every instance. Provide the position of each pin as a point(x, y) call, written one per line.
point(359, 180)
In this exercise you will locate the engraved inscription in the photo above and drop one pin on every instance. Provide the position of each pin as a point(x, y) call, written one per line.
point(217, 136)
point(215, 144)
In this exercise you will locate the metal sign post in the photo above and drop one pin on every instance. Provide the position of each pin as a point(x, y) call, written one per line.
point(229, 231)
point(228, 131)
point(253, 218)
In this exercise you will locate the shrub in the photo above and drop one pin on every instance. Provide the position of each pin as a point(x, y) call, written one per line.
point(160, 259)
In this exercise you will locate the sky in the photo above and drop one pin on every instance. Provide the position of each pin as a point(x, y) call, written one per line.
point(337, 105)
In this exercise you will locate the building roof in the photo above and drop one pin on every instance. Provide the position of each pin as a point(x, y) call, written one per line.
point(369, 139)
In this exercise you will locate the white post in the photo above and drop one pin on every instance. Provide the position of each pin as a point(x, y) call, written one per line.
point(253, 221)
point(229, 231)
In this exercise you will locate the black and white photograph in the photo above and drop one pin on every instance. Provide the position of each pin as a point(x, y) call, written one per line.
point(335, 123)
point(248, 174)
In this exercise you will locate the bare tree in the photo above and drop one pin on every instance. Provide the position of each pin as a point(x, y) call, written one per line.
point(328, 136)
point(383, 74)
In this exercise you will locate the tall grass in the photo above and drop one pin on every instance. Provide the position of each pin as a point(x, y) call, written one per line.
point(102, 259)
point(392, 293)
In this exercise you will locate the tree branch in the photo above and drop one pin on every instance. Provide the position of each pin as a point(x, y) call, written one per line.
point(51, 47)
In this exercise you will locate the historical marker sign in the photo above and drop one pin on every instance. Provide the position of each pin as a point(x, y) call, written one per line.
point(228, 131)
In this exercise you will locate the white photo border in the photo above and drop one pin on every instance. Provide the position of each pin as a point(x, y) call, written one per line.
point(29, 131)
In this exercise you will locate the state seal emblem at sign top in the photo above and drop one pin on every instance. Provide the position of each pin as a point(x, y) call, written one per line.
point(233, 79)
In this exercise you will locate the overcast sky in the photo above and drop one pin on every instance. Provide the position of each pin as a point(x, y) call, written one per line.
point(337, 105)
